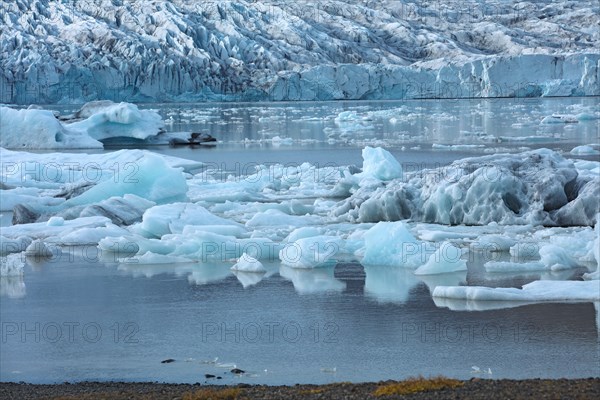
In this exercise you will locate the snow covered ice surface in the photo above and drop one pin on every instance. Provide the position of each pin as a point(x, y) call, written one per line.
point(331, 49)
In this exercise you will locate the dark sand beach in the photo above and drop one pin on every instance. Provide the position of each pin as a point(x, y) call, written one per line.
point(421, 389)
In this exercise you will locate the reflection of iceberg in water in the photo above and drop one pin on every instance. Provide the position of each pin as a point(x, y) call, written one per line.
point(197, 274)
point(12, 287)
point(202, 274)
point(150, 270)
point(449, 279)
point(389, 284)
point(249, 278)
point(312, 280)
point(477, 305)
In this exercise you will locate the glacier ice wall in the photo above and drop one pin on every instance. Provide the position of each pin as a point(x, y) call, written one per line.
point(80, 50)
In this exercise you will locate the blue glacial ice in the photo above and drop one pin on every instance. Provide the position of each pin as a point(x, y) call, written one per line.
point(270, 50)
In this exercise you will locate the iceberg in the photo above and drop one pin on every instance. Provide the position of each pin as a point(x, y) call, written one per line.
point(40, 129)
point(310, 252)
point(447, 258)
point(247, 263)
point(380, 164)
point(538, 187)
point(584, 150)
point(391, 244)
point(109, 120)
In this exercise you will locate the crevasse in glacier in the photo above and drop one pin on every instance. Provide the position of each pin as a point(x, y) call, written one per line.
point(333, 49)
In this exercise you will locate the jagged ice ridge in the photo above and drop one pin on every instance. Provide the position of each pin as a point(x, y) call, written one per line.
point(75, 51)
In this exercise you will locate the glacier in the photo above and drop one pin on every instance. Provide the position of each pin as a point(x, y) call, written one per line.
point(78, 51)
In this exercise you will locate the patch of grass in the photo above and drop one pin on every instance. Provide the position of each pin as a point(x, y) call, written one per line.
point(213, 394)
point(311, 391)
point(415, 385)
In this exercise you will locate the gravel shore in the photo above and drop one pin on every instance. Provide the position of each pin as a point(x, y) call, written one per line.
point(472, 389)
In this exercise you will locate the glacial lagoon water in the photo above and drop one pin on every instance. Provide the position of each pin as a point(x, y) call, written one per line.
point(83, 316)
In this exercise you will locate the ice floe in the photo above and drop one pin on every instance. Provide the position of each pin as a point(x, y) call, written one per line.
point(537, 291)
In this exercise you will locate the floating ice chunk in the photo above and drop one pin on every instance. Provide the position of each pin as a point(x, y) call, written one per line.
point(556, 258)
point(39, 129)
point(391, 244)
point(106, 120)
point(534, 291)
point(584, 116)
point(447, 258)
point(90, 235)
point(457, 147)
point(560, 119)
point(584, 150)
point(380, 164)
point(12, 265)
point(310, 252)
point(278, 141)
point(41, 230)
point(38, 249)
point(247, 263)
point(346, 116)
point(149, 177)
point(173, 218)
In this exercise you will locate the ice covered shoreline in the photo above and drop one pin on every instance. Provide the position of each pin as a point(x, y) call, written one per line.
point(73, 52)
